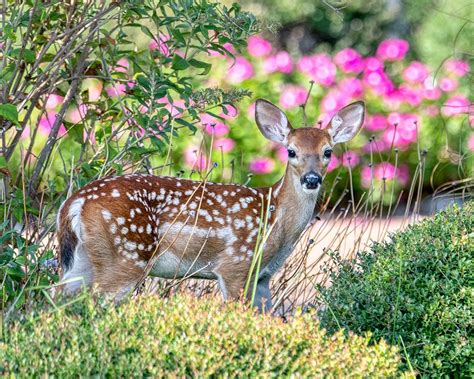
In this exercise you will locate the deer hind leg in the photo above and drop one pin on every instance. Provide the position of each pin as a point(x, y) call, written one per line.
point(263, 297)
point(80, 274)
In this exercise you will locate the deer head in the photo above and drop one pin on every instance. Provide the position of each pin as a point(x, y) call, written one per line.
point(309, 149)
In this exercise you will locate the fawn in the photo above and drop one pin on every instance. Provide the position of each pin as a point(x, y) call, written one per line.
point(115, 230)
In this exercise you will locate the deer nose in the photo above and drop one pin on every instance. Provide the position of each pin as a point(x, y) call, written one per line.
point(312, 180)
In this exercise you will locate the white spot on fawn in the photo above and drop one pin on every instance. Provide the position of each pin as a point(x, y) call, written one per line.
point(115, 193)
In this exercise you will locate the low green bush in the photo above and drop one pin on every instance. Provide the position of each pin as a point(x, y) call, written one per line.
point(416, 291)
point(184, 336)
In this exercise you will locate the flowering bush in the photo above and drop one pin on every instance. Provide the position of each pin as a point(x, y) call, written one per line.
point(417, 120)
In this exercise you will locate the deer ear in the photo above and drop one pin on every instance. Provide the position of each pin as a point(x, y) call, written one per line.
point(272, 122)
point(346, 122)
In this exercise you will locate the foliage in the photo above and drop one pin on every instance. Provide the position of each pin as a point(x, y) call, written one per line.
point(83, 97)
point(415, 291)
point(417, 127)
point(182, 336)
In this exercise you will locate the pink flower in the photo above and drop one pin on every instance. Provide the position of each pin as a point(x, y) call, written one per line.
point(224, 144)
point(280, 62)
point(430, 91)
point(334, 100)
point(349, 60)
point(122, 66)
point(53, 101)
point(350, 159)
point(448, 84)
point(320, 68)
point(455, 105)
point(457, 67)
point(240, 70)
point(216, 128)
point(392, 49)
point(366, 176)
point(378, 81)
point(384, 170)
point(373, 64)
point(351, 86)
point(94, 88)
point(228, 46)
point(258, 47)
point(77, 114)
point(262, 165)
point(292, 96)
point(470, 142)
point(432, 110)
point(231, 112)
point(160, 43)
point(251, 110)
point(46, 123)
point(333, 163)
point(116, 90)
point(195, 159)
point(402, 134)
point(416, 72)
point(403, 175)
point(282, 153)
point(376, 122)
point(409, 95)
point(376, 146)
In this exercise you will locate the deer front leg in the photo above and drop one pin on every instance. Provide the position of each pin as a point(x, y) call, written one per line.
point(263, 297)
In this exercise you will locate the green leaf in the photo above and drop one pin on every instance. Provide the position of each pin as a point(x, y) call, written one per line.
point(28, 55)
point(179, 63)
point(199, 64)
point(180, 121)
point(9, 112)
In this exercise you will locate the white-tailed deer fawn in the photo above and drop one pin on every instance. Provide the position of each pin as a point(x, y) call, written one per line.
point(112, 228)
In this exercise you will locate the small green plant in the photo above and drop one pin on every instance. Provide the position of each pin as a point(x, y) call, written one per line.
point(415, 291)
point(184, 337)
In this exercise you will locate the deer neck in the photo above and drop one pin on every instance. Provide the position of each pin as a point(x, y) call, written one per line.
point(294, 207)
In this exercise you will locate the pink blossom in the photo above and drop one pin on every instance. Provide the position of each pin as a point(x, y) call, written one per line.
point(77, 114)
point(378, 81)
point(455, 105)
point(457, 67)
point(403, 175)
point(121, 66)
point(376, 122)
point(116, 90)
point(409, 95)
point(88, 137)
point(195, 159)
point(258, 46)
point(351, 86)
point(282, 153)
point(333, 163)
point(251, 110)
point(349, 60)
point(320, 68)
point(160, 43)
point(392, 49)
point(224, 144)
point(384, 170)
point(470, 142)
point(94, 88)
point(448, 84)
point(373, 64)
point(366, 176)
point(292, 96)
point(262, 165)
point(432, 110)
point(176, 108)
point(376, 146)
point(416, 72)
point(218, 129)
point(280, 62)
point(46, 123)
point(334, 100)
point(404, 133)
point(240, 70)
point(228, 46)
point(431, 93)
point(231, 112)
point(350, 159)
point(53, 101)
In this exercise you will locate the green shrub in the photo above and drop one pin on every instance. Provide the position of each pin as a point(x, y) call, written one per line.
point(415, 291)
point(184, 336)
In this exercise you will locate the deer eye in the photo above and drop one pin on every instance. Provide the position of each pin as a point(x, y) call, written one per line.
point(327, 153)
point(291, 153)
